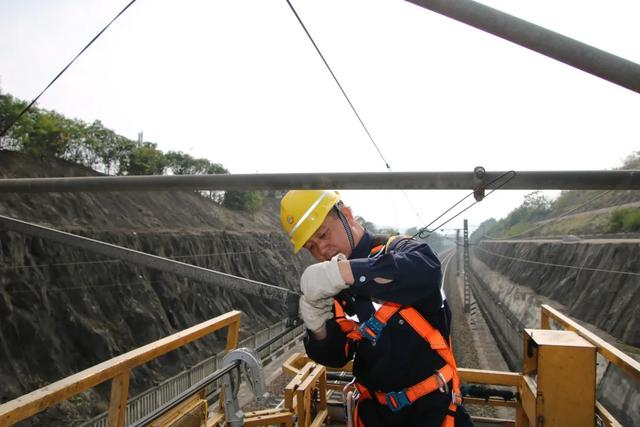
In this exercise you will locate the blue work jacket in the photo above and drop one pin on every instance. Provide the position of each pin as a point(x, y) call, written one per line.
point(400, 358)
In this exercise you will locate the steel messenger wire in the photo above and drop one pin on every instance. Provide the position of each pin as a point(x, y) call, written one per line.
point(420, 232)
point(601, 270)
point(4, 132)
point(353, 108)
point(63, 264)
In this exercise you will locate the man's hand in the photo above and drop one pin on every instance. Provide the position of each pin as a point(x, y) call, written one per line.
point(323, 280)
point(315, 315)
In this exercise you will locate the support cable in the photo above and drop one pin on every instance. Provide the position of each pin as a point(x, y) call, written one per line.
point(339, 85)
point(4, 132)
point(421, 233)
point(574, 267)
point(108, 261)
point(353, 108)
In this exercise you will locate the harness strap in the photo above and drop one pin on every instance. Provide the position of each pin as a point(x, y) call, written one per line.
point(394, 399)
point(437, 343)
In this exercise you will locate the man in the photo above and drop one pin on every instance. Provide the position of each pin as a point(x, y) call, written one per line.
point(392, 287)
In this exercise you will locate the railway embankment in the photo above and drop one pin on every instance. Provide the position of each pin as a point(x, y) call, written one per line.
point(63, 310)
point(595, 281)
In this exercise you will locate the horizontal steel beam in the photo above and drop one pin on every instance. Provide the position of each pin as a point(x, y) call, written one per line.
point(216, 278)
point(587, 58)
point(526, 180)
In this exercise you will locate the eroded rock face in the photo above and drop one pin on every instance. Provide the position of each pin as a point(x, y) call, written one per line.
point(593, 292)
point(607, 300)
point(63, 310)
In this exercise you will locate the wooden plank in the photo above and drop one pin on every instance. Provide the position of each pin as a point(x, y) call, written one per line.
point(615, 356)
point(606, 416)
point(232, 335)
point(494, 421)
point(39, 400)
point(521, 418)
point(528, 397)
point(268, 417)
point(490, 377)
point(544, 320)
point(173, 415)
point(118, 401)
point(491, 402)
point(294, 363)
point(321, 416)
point(215, 418)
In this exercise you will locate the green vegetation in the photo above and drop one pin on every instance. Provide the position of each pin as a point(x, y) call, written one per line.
point(248, 201)
point(573, 212)
point(624, 220)
point(46, 134)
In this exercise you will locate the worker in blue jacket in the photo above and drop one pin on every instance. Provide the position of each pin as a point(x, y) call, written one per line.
point(378, 301)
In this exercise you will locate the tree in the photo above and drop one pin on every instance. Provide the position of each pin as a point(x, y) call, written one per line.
point(146, 159)
point(247, 201)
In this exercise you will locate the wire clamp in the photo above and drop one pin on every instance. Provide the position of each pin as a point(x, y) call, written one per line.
point(479, 174)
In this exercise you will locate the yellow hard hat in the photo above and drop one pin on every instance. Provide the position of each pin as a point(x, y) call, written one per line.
point(303, 211)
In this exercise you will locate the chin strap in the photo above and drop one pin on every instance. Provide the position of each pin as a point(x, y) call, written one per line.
point(347, 228)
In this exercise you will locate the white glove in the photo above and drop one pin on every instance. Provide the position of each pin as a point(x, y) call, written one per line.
point(314, 317)
point(323, 280)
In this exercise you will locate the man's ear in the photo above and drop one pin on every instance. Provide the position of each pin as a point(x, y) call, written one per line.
point(348, 213)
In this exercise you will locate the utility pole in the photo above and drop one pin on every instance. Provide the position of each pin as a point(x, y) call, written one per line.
point(467, 296)
point(458, 257)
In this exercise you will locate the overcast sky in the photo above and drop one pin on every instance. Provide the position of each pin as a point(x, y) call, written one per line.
point(238, 82)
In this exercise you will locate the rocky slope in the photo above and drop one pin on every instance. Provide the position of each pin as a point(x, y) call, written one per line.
point(525, 274)
point(63, 310)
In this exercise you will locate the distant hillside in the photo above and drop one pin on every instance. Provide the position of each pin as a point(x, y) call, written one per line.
point(573, 212)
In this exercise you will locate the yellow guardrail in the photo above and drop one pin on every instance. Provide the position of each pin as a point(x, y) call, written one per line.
point(118, 370)
point(623, 361)
point(608, 351)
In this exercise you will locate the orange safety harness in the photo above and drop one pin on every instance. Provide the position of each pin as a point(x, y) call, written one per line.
point(371, 330)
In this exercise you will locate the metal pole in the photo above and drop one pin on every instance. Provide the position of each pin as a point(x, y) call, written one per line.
point(223, 280)
point(572, 52)
point(525, 180)
point(458, 257)
point(467, 296)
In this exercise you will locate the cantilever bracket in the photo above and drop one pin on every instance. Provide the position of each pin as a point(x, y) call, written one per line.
point(479, 174)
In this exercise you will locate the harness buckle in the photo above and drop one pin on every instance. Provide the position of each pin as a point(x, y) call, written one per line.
point(396, 400)
point(371, 329)
point(442, 382)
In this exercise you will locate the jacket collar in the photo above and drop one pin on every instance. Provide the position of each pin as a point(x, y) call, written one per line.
point(363, 247)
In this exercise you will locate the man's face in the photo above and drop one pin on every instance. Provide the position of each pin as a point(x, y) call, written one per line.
point(329, 240)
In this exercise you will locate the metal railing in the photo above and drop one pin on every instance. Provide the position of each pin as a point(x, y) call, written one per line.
point(153, 398)
point(116, 370)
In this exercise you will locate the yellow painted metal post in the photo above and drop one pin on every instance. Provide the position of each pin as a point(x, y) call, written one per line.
point(118, 402)
point(566, 377)
point(232, 335)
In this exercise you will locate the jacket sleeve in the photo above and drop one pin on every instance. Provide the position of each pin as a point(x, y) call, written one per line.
point(333, 351)
point(413, 268)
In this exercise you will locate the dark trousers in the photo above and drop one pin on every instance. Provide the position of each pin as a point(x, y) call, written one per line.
point(428, 411)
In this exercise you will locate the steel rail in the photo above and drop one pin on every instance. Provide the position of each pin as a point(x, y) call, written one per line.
point(572, 52)
point(201, 274)
point(524, 180)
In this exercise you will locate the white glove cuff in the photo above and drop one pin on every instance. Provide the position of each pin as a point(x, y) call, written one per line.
point(333, 272)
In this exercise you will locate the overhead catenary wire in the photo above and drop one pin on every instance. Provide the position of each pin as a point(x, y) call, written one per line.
point(353, 108)
point(550, 264)
point(24, 110)
point(72, 263)
point(420, 232)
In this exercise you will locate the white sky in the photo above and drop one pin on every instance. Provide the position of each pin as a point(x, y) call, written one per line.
point(238, 82)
